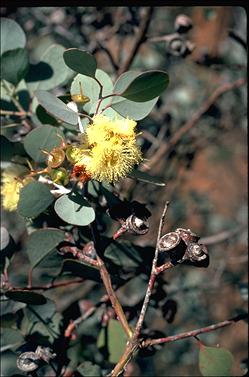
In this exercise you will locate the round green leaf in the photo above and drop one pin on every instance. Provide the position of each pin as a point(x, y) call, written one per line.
point(41, 242)
point(34, 199)
point(12, 35)
point(14, 65)
point(92, 89)
point(56, 107)
point(42, 138)
point(215, 361)
point(146, 86)
point(80, 61)
point(10, 338)
point(28, 297)
point(125, 107)
point(116, 340)
point(74, 209)
point(50, 72)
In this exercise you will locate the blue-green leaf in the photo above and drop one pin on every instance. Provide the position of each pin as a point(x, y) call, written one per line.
point(74, 209)
point(12, 35)
point(80, 61)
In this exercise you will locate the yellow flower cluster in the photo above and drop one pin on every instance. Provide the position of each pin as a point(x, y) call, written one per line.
point(109, 150)
point(11, 186)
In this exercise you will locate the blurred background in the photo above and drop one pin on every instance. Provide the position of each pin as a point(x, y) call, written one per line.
point(205, 171)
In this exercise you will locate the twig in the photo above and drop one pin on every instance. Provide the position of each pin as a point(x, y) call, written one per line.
point(102, 98)
point(134, 343)
point(232, 34)
point(166, 147)
point(189, 334)
point(140, 39)
point(109, 54)
point(107, 283)
point(49, 286)
point(152, 277)
point(15, 113)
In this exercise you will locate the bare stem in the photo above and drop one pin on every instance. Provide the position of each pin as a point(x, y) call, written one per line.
point(140, 39)
point(102, 98)
point(189, 334)
point(108, 284)
point(15, 113)
point(49, 286)
point(134, 342)
point(152, 277)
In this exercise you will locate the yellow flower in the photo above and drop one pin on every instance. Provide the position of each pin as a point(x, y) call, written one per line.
point(111, 161)
point(104, 129)
point(109, 150)
point(11, 186)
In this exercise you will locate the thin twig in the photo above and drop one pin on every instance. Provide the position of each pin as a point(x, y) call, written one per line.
point(152, 277)
point(49, 286)
point(167, 147)
point(134, 343)
point(15, 113)
point(109, 54)
point(140, 39)
point(189, 334)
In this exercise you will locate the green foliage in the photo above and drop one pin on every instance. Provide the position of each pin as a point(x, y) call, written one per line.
point(41, 242)
point(56, 107)
point(50, 71)
point(114, 339)
point(74, 209)
point(14, 65)
point(215, 361)
point(43, 138)
point(125, 107)
point(35, 197)
point(80, 61)
point(80, 269)
point(10, 338)
point(88, 369)
point(146, 86)
point(12, 35)
point(57, 231)
point(27, 297)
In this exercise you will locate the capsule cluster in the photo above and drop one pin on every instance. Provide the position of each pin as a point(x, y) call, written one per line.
point(182, 245)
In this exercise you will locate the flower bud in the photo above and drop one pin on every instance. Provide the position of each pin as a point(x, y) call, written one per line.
point(55, 157)
point(59, 176)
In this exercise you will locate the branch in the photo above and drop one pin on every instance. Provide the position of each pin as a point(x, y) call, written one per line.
point(152, 277)
point(140, 39)
point(193, 333)
point(165, 148)
point(15, 113)
point(49, 286)
point(134, 343)
point(107, 283)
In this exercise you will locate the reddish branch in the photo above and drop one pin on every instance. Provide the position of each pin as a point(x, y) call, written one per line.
point(140, 39)
point(189, 334)
point(152, 277)
point(49, 286)
point(166, 148)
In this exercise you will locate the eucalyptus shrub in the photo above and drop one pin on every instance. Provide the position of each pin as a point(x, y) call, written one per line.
point(62, 177)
